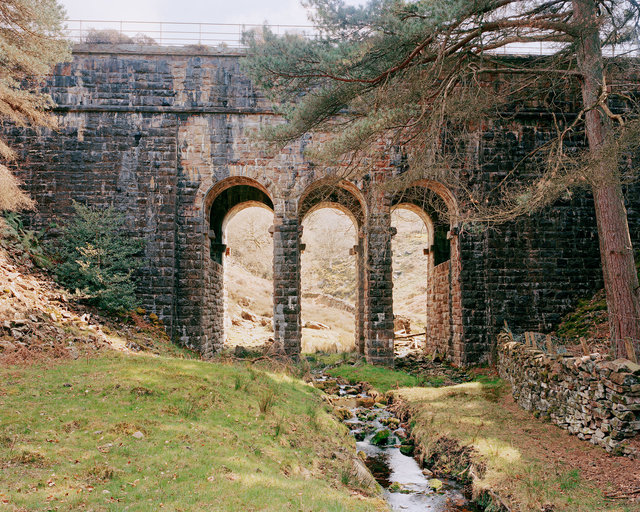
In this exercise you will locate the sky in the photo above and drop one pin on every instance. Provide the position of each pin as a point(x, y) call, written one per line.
point(201, 11)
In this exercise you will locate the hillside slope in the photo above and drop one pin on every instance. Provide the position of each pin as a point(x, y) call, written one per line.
point(328, 272)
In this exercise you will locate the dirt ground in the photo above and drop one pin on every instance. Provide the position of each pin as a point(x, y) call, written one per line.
point(618, 477)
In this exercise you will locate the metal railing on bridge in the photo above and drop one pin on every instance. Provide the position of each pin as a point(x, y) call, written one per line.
point(229, 35)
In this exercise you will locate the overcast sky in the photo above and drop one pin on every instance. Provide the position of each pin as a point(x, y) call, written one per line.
point(202, 11)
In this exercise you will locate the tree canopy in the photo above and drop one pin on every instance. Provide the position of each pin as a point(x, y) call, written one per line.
point(426, 76)
point(31, 43)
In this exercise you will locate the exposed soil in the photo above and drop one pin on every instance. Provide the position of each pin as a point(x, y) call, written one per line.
point(618, 477)
point(38, 321)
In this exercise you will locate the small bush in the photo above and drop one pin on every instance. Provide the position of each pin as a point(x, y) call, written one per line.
point(106, 36)
point(101, 472)
point(346, 476)
point(98, 259)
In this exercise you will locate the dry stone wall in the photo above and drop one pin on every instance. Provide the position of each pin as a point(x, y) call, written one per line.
point(596, 399)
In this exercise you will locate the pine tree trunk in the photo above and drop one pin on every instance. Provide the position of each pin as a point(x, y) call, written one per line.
point(616, 250)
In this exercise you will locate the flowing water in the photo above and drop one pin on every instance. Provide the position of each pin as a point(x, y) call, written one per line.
point(407, 487)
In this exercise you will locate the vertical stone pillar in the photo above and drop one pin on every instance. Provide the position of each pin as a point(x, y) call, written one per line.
point(213, 308)
point(358, 252)
point(287, 321)
point(460, 355)
point(379, 285)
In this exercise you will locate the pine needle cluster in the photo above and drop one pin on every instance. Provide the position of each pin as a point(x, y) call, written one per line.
point(31, 43)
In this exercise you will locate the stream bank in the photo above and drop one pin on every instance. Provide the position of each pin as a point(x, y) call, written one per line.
point(384, 443)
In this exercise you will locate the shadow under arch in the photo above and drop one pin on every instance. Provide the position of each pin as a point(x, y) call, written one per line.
point(438, 207)
point(226, 199)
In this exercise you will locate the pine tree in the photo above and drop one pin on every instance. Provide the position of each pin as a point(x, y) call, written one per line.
point(31, 43)
point(417, 75)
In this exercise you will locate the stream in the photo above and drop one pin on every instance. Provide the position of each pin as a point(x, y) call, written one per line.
point(388, 449)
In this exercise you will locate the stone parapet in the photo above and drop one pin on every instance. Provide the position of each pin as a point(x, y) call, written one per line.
point(596, 399)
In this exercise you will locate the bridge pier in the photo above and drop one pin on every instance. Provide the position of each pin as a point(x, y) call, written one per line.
point(287, 320)
point(358, 252)
point(378, 294)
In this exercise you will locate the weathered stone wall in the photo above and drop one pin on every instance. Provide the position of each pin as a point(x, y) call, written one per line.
point(207, 329)
point(160, 133)
point(438, 309)
point(528, 272)
point(595, 399)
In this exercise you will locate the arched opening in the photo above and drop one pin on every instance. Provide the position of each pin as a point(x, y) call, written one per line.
point(239, 305)
point(248, 277)
point(226, 204)
point(329, 281)
point(332, 216)
point(412, 263)
point(439, 287)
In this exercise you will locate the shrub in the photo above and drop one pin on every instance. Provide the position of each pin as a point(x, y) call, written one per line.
point(106, 36)
point(97, 258)
point(266, 401)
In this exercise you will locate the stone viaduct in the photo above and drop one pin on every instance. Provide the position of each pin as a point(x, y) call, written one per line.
point(165, 134)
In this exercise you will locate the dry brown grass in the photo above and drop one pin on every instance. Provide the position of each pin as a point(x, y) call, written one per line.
point(531, 464)
point(12, 198)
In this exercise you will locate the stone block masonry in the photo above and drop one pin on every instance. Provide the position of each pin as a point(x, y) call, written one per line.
point(596, 399)
point(165, 135)
point(439, 336)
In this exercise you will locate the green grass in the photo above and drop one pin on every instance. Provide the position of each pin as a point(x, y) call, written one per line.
point(477, 422)
point(215, 437)
point(323, 359)
point(383, 379)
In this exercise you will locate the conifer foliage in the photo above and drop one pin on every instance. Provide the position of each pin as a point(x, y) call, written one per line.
point(98, 258)
point(421, 76)
point(31, 43)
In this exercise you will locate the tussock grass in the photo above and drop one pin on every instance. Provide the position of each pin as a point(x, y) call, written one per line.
point(134, 432)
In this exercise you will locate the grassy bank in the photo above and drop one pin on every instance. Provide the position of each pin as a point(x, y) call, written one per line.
point(144, 433)
point(383, 379)
point(531, 465)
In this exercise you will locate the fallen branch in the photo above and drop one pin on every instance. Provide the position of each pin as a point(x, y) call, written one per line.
point(409, 336)
point(622, 495)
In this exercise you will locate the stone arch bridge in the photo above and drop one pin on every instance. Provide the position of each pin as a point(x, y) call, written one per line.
point(165, 135)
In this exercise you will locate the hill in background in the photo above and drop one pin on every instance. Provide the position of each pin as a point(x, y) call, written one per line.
point(328, 277)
